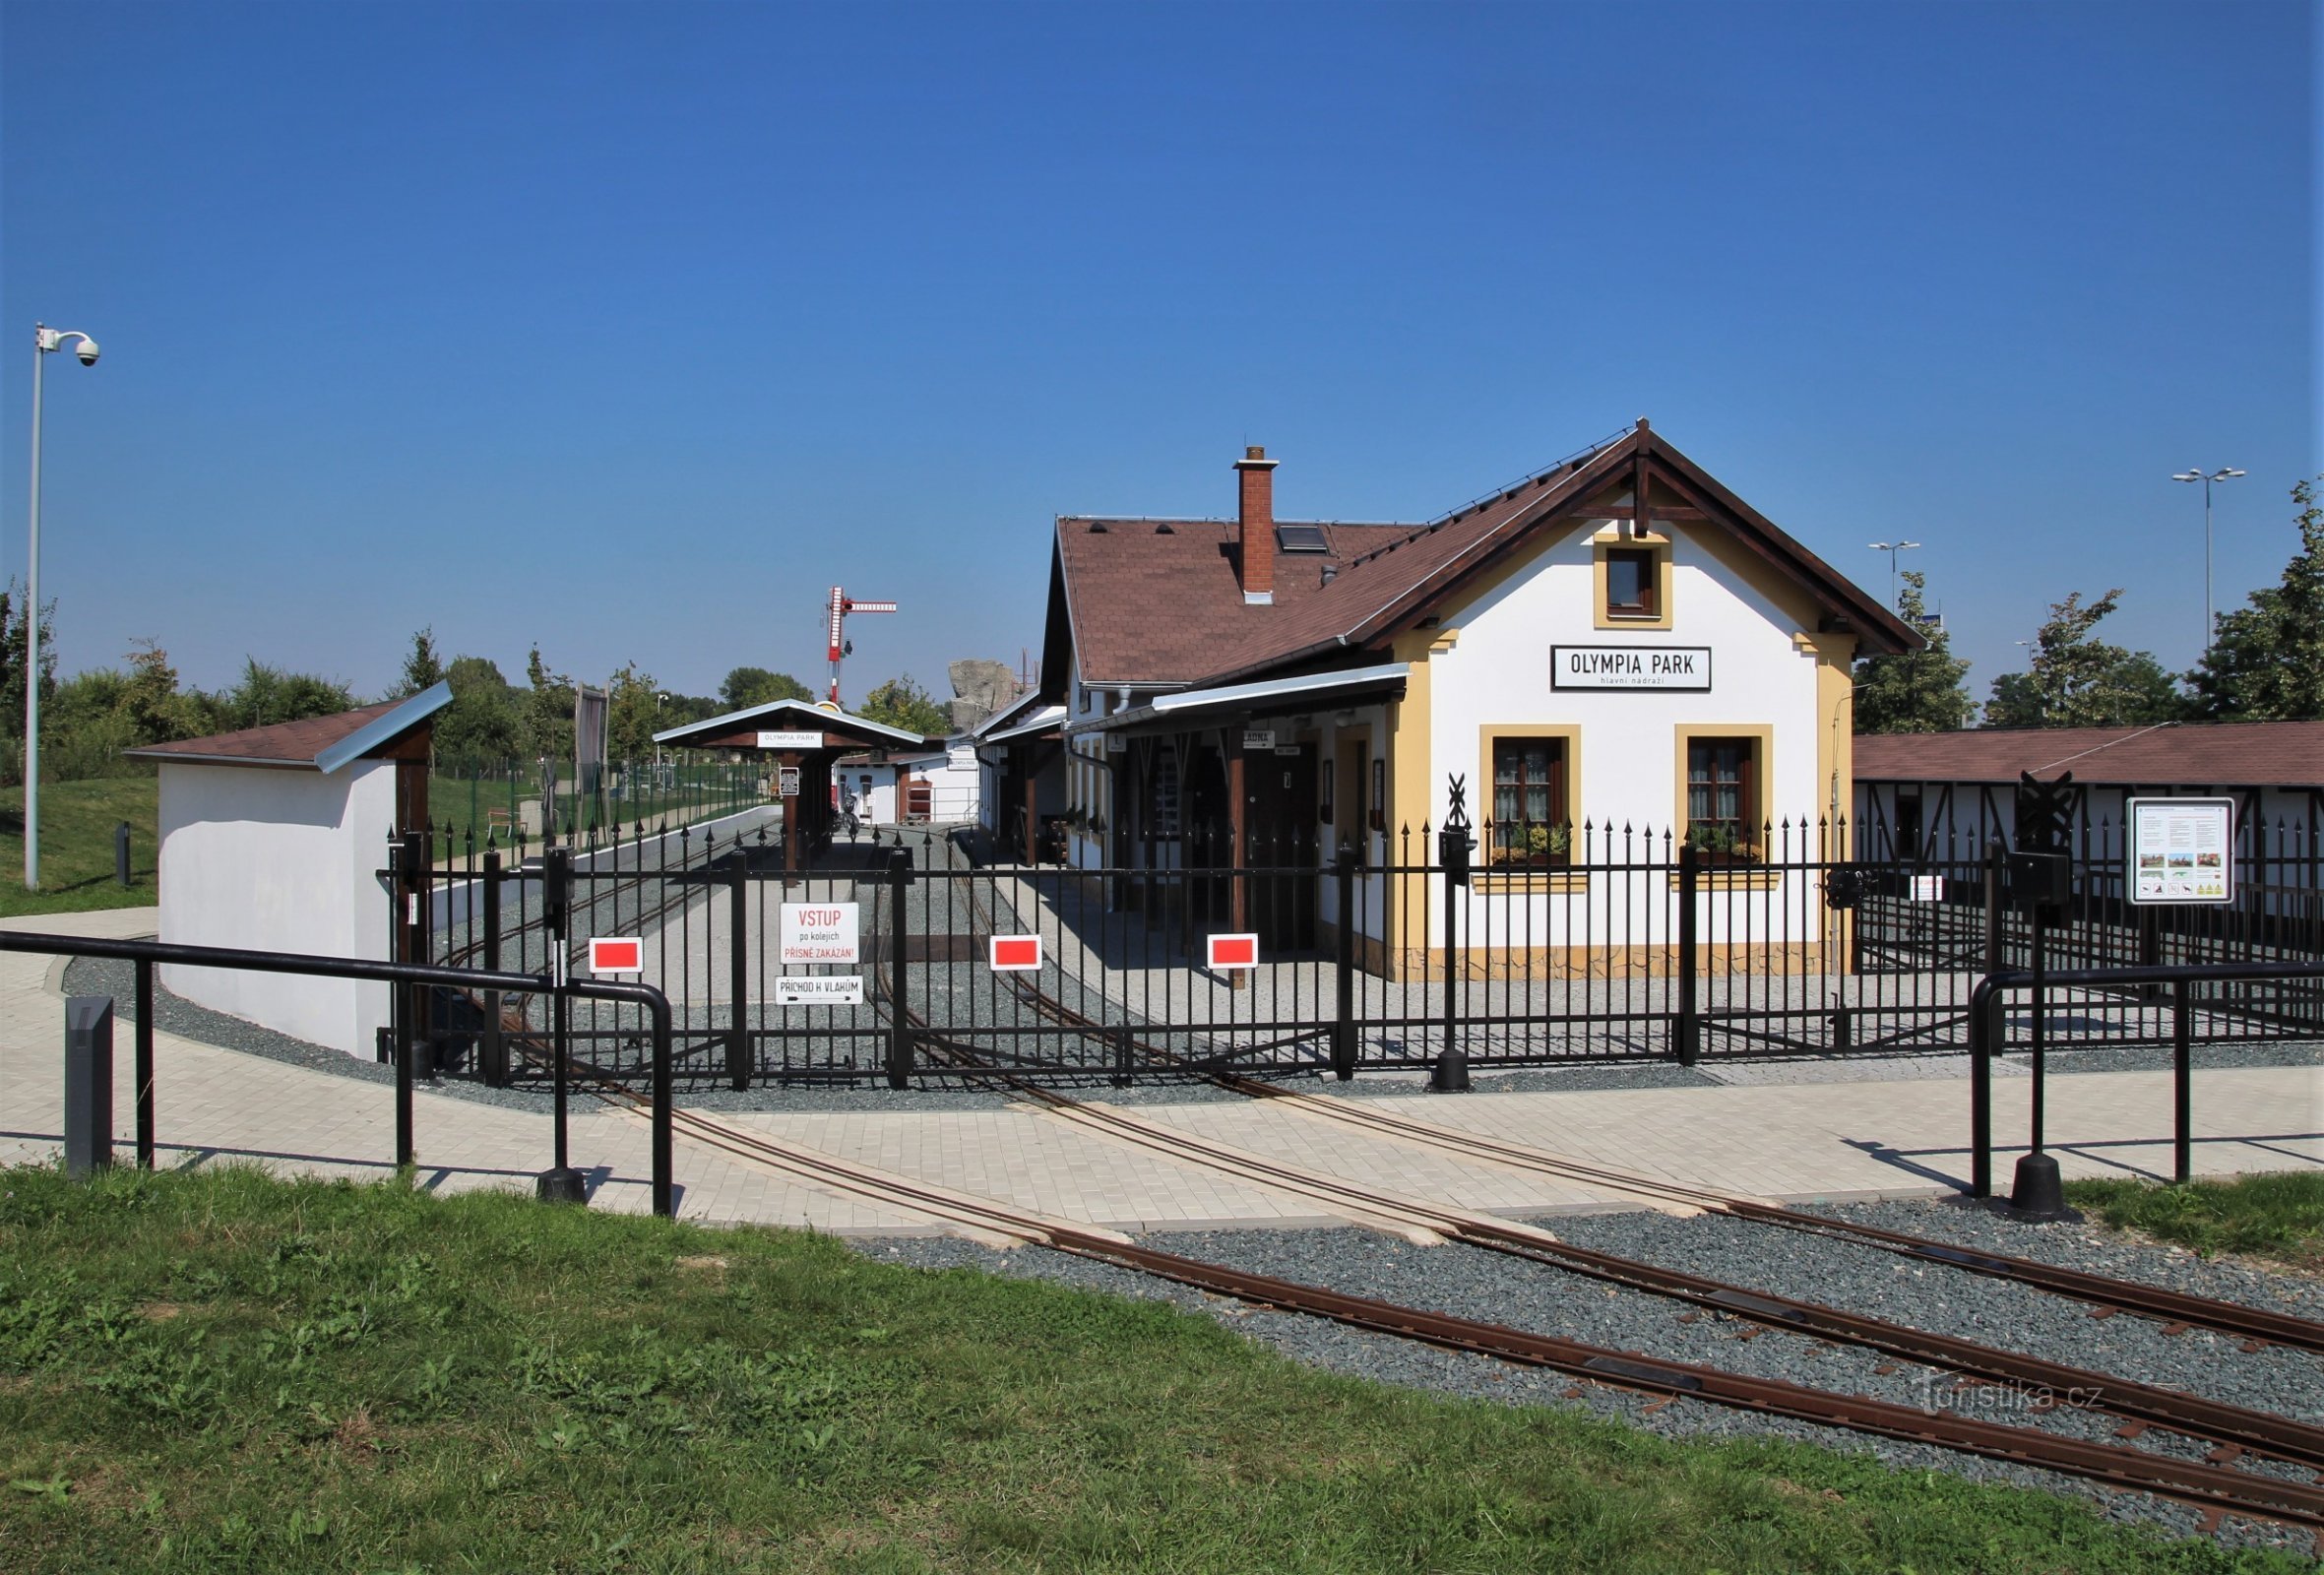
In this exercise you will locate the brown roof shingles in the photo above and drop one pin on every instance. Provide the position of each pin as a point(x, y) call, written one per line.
point(2224, 754)
point(1150, 607)
point(278, 743)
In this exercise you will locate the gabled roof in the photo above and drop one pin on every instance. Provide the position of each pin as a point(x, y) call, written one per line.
point(789, 716)
point(2221, 754)
point(316, 743)
point(1157, 601)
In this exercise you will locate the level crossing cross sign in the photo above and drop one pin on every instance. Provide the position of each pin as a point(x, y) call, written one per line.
point(616, 954)
point(1234, 951)
point(1016, 954)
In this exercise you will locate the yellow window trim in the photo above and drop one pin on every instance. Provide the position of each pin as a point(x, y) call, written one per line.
point(1607, 541)
point(1481, 799)
point(1763, 780)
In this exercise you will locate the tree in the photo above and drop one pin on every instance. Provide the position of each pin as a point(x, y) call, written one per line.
point(157, 710)
point(1918, 691)
point(421, 669)
point(483, 722)
point(547, 711)
point(746, 688)
point(631, 715)
point(267, 695)
point(2266, 661)
point(13, 635)
point(2076, 681)
point(901, 702)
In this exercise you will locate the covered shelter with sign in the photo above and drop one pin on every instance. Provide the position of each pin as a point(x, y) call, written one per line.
point(800, 739)
point(1616, 646)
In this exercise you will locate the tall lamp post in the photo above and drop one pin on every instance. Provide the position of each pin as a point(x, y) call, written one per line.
point(44, 341)
point(1892, 548)
point(2209, 625)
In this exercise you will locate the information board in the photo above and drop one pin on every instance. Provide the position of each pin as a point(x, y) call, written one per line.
point(817, 932)
point(2181, 850)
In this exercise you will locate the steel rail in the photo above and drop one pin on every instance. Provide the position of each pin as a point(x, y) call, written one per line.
point(2208, 1486)
point(2153, 1301)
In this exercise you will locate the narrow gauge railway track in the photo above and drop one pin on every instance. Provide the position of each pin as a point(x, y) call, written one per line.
point(2173, 1308)
point(2263, 1433)
point(2213, 1489)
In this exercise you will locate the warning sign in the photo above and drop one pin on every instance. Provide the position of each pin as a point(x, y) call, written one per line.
point(1234, 951)
point(787, 782)
point(823, 989)
point(1016, 954)
point(616, 954)
point(818, 932)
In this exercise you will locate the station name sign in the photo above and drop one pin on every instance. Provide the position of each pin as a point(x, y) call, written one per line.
point(790, 741)
point(1630, 668)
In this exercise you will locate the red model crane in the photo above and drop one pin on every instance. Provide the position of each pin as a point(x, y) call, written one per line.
point(840, 606)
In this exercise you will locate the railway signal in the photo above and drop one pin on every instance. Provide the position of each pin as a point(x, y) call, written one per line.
point(840, 605)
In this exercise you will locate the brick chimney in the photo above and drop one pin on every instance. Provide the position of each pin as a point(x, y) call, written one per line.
point(1255, 525)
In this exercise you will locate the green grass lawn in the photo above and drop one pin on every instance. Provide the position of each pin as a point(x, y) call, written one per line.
point(76, 821)
point(2277, 1216)
point(218, 1371)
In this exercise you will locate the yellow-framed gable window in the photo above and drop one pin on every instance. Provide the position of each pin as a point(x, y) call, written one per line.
point(1631, 581)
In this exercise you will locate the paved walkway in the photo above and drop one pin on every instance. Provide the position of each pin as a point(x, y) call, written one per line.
point(1791, 1141)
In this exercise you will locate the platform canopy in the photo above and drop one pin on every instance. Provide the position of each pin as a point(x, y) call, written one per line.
point(1242, 702)
point(792, 727)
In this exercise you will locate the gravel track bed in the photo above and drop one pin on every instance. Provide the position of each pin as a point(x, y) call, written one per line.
point(1480, 1285)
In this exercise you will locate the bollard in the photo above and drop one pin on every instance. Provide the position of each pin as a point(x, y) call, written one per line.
point(1451, 1074)
point(88, 1084)
point(121, 853)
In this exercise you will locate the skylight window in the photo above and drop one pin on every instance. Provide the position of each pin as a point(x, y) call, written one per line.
point(1300, 539)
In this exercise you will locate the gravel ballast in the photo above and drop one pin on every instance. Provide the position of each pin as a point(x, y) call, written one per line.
point(1496, 1289)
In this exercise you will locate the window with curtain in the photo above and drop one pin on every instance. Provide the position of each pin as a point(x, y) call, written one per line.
point(1722, 816)
point(1528, 824)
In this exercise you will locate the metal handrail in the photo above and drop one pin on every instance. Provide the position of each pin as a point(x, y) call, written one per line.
point(145, 953)
point(1986, 1003)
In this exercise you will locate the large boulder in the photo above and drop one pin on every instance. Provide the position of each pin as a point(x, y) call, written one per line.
point(991, 684)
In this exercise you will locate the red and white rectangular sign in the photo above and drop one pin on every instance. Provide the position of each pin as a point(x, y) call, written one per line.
point(616, 954)
point(1234, 951)
point(1016, 954)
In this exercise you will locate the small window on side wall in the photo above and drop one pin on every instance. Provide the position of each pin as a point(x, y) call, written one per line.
point(1630, 584)
point(1530, 824)
point(1722, 798)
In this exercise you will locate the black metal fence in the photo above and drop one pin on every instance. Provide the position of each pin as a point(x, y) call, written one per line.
point(1594, 943)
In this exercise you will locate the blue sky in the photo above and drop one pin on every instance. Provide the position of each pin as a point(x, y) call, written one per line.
point(630, 329)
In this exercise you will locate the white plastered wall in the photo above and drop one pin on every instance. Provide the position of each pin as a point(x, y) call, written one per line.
point(279, 860)
point(1496, 672)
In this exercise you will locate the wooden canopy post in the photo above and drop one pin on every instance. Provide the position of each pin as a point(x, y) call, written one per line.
point(1033, 823)
point(792, 829)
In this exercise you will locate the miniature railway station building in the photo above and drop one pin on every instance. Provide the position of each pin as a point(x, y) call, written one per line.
point(1616, 647)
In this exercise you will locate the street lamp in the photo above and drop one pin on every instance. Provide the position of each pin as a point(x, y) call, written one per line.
point(44, 339)
point(2209, 625)
point(1892, 548)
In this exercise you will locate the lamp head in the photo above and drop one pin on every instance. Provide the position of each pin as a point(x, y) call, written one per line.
point(2187, 476)
point(2216, 475)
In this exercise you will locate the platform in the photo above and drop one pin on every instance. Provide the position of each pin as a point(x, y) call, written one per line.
point(1792, 1140)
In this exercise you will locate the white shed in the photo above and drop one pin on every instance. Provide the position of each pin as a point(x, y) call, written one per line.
point(272, 839)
